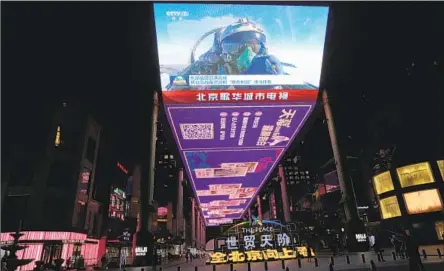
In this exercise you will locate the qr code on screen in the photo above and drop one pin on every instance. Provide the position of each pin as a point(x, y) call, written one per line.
point(197, 131)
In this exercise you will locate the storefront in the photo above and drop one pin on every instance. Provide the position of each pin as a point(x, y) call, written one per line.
point(49, 246)
point(412, 196)
point(117, 252)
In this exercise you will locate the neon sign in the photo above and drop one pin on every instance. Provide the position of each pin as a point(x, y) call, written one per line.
point(233, 105)
point(122, 168)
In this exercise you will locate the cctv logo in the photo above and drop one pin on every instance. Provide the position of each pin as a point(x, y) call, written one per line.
point(177, 13)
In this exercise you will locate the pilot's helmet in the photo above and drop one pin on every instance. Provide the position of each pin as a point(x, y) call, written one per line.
point(241, 34)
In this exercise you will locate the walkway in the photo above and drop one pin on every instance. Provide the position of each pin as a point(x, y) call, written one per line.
point(432, 263)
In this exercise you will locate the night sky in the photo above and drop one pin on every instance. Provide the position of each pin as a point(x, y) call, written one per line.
point(101, 56)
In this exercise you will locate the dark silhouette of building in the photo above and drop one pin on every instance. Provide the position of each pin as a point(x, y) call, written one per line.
point(52, 189)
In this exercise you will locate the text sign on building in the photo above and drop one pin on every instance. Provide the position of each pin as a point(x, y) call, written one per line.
point(237, 101)
point(141, 251)
point(261, 240)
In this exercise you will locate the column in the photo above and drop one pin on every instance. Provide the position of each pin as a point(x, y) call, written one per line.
point(283, 184)
point(152, 161)
point(348, 197)
point(193, 222)
point(198, 228)
point(204, 229)
point(179, 212)
point(259, 207)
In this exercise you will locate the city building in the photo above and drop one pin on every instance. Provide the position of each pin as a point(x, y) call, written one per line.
point(119, 225)
point(50, 191)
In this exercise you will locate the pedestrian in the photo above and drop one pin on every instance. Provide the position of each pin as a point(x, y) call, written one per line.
point(154, 261)
point(396, 245)
point(309, 255)
point(186, 256)
point(103, 261)
point(415, 263)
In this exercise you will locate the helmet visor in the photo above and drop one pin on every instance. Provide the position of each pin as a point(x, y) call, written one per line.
point(235, 43)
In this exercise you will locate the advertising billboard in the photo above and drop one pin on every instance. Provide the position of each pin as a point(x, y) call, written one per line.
point(238, 82)
point(383, 183)
point(331, 181)
point(389, 207)
point(162, 214)
point(424, 201)
point(415, 174)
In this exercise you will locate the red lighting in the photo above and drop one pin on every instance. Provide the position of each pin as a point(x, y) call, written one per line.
point(122, 168)
point(34, 250)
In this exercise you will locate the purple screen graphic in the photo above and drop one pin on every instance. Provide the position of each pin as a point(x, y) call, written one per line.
point(230, 150)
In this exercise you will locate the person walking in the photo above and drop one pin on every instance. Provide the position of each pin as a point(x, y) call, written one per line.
point(103, 261)
point(415, 263)
point(155, 258)
point(396, 245)
point(309, 255)
point(186, 256)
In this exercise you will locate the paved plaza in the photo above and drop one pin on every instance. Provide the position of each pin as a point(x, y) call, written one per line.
point(432, 263)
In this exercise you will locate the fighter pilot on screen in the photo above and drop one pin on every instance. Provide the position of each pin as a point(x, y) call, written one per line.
point(238, 49)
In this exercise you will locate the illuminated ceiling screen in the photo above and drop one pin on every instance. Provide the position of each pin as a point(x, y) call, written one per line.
point(238, 83)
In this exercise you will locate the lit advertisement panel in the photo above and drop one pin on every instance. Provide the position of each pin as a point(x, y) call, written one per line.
point(389, 207)
point(424, 201)
point(415, 174)
point(441, 167)
point(331, 181)
point(238, 82)
point(383, 183)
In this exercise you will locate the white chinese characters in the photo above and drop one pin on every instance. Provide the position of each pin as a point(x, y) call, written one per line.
point(239, 96)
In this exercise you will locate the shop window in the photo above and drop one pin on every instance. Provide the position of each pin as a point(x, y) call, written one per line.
point(389, 207)
point(439, 227)
point(383, 182)
point(415, 174)
point(77, 251)
point(51, 252)
point(424, 201)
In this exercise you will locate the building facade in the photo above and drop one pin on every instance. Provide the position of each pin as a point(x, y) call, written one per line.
point(56, 194)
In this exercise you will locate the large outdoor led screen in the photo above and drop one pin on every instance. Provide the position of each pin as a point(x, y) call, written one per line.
point(238, 82)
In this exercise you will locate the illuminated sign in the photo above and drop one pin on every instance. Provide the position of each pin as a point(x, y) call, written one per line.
point(361, 237)
point(236, 256)
point(141, 251)
point(162, 213)
point(383, 183)
point(415, 174)
point(122, 168)
point(233, 104)
point(57, 140)
point(423, 201)
point(441, 167)
point(259, 240)
point(120, 192)
point(389, 207)
point(117, 204)
point(331, 182)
